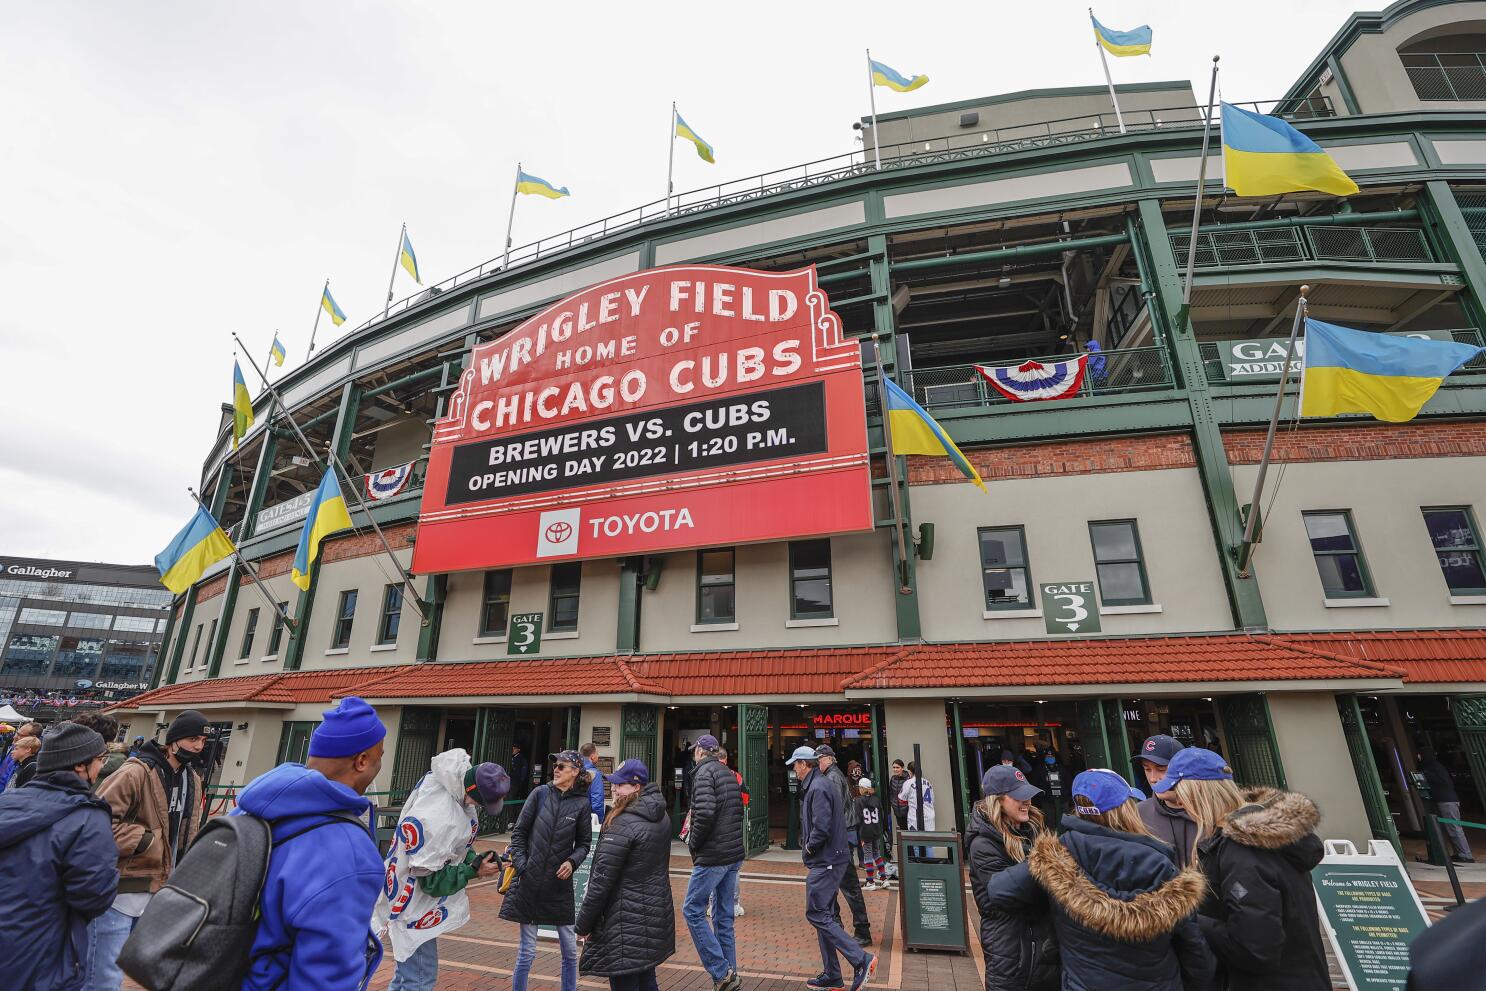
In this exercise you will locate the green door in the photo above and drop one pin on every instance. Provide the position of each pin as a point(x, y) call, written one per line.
point(1252, 751)
point(639, 726)
point(1091, 733)
point(416, 745)
point(294, 742)
point(1470, 719)
point(753, 762)
point(1118, 737)
point(493, 734)
point(1368, 781)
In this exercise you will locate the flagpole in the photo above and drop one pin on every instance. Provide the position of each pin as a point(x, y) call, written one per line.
point(395, 259)
point(671, 158)
point(335, 462)
point(872, 99)
point(1108, 79)
point(252, 573)
point(1207, 128)
point(319, 308)
point(1250, 534)
point(511, 218)
point(895, 498)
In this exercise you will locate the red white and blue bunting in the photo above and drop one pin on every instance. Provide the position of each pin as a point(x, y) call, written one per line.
point(1032, 380)
point(388, 482)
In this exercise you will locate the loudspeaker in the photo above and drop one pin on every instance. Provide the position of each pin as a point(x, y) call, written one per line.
point(926, 541)
point(653, 566)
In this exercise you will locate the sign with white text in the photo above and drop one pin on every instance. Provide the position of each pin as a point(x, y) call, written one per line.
point(1069, 607)
point(524, 635)
point(1262, 360)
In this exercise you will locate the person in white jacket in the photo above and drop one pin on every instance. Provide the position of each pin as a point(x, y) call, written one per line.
point(909, 794)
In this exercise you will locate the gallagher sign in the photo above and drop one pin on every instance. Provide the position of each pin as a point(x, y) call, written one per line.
point(679, 407)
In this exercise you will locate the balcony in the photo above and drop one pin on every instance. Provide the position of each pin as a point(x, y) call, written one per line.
point(1217, 248)
point(1124, 372)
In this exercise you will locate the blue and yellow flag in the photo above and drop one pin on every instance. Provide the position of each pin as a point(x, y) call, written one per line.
point(886, 75)
point(704, 150)
point(327, 515)
point(1136, 41)
point(242, 405)
point(1354, 371)
point(408, 259)
point(201, 544)
point(533, 186)
point(916, 432)
point(276, 353)
point(328, 302)
point(1263, 156)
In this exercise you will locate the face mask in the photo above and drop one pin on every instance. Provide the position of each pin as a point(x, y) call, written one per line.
point(187, 757)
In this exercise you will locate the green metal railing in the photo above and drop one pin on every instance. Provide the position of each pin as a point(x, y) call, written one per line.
point(1212, 359)
point(1310, 242)
point(1446, 75)
point(1109, 373)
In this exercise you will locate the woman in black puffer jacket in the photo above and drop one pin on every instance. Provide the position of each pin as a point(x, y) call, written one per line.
point(627, 914)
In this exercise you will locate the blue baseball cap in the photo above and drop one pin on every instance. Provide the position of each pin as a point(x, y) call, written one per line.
point(1106, 789)
point(1194, 764)
point(631, 772)
point(1003, 779)
point(1159, 749)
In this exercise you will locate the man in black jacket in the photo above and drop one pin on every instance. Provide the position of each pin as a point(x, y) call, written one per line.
point(716, 844)
point(851, 884)
point(1447, 800)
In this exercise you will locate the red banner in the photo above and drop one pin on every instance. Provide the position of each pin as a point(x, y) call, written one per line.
point(689, 406)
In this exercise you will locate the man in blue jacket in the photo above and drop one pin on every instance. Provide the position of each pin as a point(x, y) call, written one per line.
point(319, 892)
point(596, 787)
point(824, 851)
point(58, 863)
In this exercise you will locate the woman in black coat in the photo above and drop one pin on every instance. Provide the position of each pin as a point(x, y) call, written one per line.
point(627, 916)
point(1020, 950)
point(549, 841)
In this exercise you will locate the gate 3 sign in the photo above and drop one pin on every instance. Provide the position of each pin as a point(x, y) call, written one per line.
point(679, 407)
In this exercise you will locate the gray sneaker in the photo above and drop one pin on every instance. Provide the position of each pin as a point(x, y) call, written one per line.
point(732, 982)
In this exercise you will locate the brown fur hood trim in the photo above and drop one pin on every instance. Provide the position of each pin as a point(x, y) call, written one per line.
point(1145, 917)
point(1273, 819)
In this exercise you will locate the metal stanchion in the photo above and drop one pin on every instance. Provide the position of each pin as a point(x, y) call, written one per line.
point(1434, 831)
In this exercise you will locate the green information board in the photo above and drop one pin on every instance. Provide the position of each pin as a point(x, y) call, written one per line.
point(524, 636)
point(1371, 914)
point(931, 892)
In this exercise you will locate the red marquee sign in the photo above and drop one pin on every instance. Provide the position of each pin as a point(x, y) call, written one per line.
point(689, 406)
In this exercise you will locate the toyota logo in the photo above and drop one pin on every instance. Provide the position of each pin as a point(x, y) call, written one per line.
point(558, 532)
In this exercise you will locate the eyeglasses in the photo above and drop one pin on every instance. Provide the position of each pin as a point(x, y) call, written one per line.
point(560, 766)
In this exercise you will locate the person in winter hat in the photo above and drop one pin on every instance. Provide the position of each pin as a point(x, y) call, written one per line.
point(1122, 912)
point(433, 858)
point(627, 916)
point(1162, 813)
point(57, 864)
point(1019, 948)
point(319, 892)
point(1257, 849)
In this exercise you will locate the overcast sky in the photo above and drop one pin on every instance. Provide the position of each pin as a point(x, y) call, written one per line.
point(173, 171)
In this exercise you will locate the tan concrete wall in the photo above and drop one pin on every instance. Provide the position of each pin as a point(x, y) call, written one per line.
point(922, 721)
point(1314, 751)
point(1376, 74)
point(598, 610)
point(259, 660)
point(369, 575)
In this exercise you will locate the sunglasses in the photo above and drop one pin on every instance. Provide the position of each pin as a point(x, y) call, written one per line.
point(560, 766)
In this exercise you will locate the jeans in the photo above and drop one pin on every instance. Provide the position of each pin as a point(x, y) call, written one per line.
point(715, 944)
point(527, 952)
point(821, 885)
point(419, 971)
point(106, 936)
point(1451, 810)
point(642, 981)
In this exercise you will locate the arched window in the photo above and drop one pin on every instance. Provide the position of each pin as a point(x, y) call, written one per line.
point(1449, 66)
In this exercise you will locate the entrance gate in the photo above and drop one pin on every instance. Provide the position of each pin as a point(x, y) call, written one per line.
point(1252, 751)
point(415, 748)
point(1379, 821)
point(753, 764)
point(493, 738)
point(1470, 719)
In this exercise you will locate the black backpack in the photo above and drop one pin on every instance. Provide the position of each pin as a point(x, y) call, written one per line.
point(198, 930)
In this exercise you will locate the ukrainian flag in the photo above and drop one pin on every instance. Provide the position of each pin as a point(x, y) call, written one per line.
point(327, 515)
point(328, 302)
point(242, 405)
point(1123, 43)
point(197, 547)
point(886, 75)
point(1263, 156)
point(683, 130)
point(408, 259)
point(1353, 371)
point(916, 432)
point(539, 187)
point(276, 353)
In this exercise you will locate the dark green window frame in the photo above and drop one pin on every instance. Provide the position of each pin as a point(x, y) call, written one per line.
point(294, 741)
point(250, 628)
point(1364, 574)
point(391, 619)
point(717, 587)
point(276, 635)
point(345, 618)
point(1471, 548)
point(989, 568)
point(495, 608)
point(566, 588)
point(195, 647)
point(1118, 561)
point(810, 574)
point(211, 641)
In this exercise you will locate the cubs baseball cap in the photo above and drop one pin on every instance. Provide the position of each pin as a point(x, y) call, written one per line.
point(706, 741)
point(1101, 786)
point(1004, 779)
point(802, 753)
point(631, 772)
point(1194, 764)
point(1159, 749)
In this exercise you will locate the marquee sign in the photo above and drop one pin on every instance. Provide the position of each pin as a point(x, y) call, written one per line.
point(688, 406)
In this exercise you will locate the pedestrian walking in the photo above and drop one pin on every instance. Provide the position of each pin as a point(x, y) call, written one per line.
point(1020, 949)
point(22, 755)
point(433, 859)
point(851, 884)
point(319, 892)
point(1447, 801)
point(107, 727)
point(154, 800)
point(1162, 813)
point(1257, 849)
point(743, 791)
point(1123, 914)
point(824, 852)
point(57, 864)
point(869, 813)
point(715, 840)
point(550, 840)
point(627, 917)
point(589, 753)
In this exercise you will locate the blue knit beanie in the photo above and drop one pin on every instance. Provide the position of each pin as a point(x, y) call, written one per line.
point(347, 730)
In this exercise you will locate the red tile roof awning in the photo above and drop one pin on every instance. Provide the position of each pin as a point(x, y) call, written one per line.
point(259, 689)
point(1423, 655)
point(808, 671)
point(551, 677)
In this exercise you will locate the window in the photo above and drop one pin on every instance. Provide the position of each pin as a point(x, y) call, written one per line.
point(91, 620)
point(134, 624)
point(78, 658)
point(1458, 546)
point(195, 646)
point(1118, 564)
point(495, 613)
point(26, 654)
point(211, 644)
point(125, 661)
point(276, 635)
point(810, 579)
point(1455, 75)
point(248, 631)
point(1338, 558)
point(340, 637)
point(43, 617)
point(1003, 568)
point(391, 615)
point(717, 600)
point(566, 578)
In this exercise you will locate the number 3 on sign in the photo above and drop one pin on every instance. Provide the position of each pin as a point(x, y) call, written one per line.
point(1070, 607)
point(524, 635)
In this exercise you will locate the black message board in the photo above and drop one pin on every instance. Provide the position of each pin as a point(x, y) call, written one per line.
point(1373, 914)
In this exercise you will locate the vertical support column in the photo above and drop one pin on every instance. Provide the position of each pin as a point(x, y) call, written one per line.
point(968, 791)
point(1207, 440)
point(1448, 223)
point(1091, 735)
point(262, 475)
point(1117, 737)
point(160, 659)
point(178, 649)
point(631, 574)
point(225, 477)
point(436, 590)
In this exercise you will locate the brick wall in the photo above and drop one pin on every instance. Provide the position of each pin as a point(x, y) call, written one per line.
point(212, 589)
point(1085, 457)
point(272, 567)
point(367, 544)
point(1361, 443)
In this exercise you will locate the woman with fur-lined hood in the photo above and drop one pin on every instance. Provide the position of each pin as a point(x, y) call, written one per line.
point(1257, 849)
point(1124, 915)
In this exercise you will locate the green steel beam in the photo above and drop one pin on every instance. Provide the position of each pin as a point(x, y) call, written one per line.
point(262, 476)
point(435, 592)
point(161, 659)
point(1349, 99)
point(1453, 230)
point(218, 647)
point(1335, 220)
point(1010, 254)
